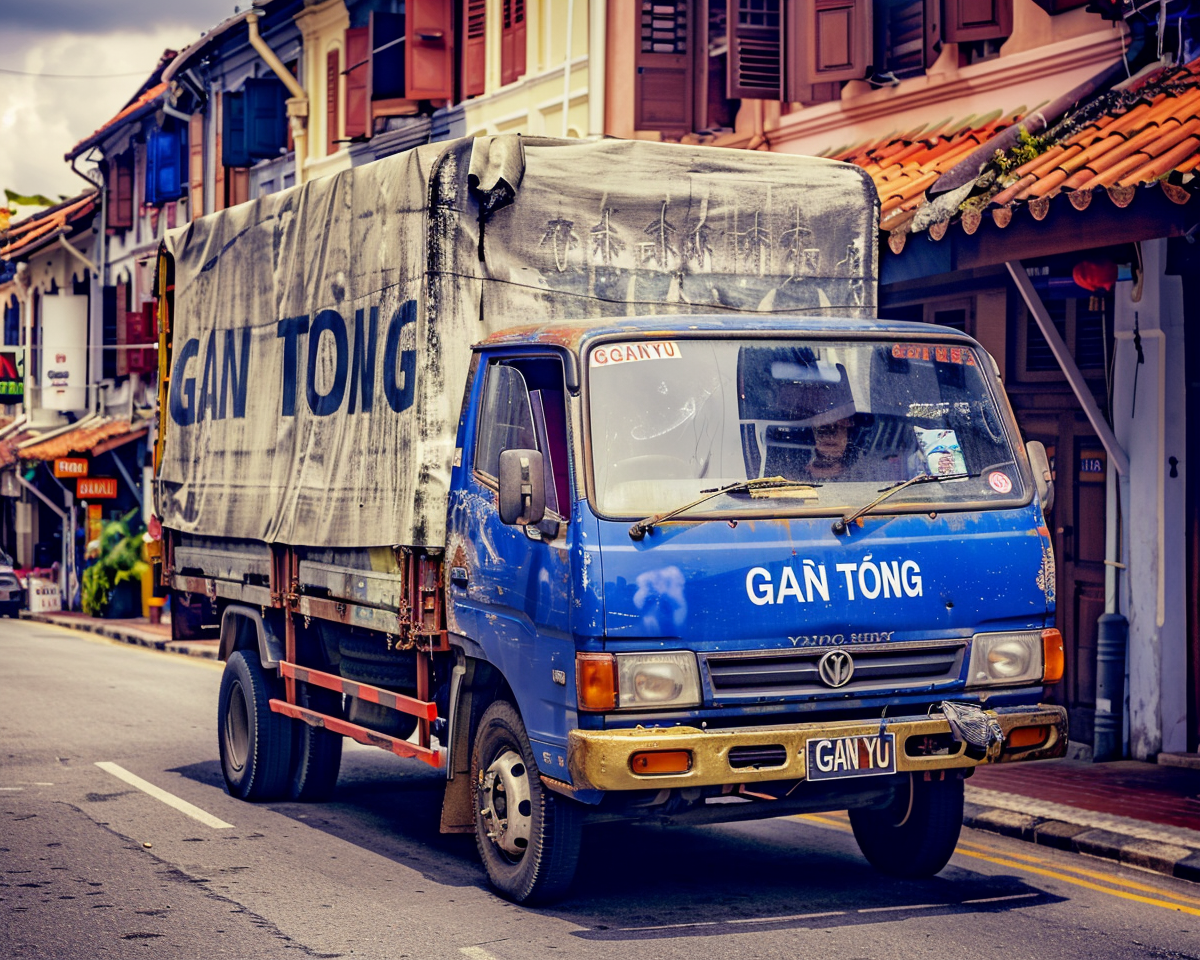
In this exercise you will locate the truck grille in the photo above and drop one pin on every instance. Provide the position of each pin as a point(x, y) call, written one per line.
point(794, 673)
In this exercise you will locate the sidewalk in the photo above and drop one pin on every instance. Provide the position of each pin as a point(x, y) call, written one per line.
point(1141, 814)
point(139, 631)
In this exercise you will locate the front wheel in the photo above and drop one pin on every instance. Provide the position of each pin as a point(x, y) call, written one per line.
point(255, 744)
point(528, 837)
point(915, 835)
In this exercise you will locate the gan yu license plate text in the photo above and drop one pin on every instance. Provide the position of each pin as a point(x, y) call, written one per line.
point(838, 757)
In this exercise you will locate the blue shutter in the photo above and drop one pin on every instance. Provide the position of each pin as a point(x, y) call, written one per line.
point(266, 118)
point(163, 181)
point(233, 131)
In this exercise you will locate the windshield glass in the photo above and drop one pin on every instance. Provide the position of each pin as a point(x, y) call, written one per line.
point(673, 419)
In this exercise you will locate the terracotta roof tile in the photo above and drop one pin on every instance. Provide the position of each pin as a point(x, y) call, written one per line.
point(82, 440)
point(25, 236)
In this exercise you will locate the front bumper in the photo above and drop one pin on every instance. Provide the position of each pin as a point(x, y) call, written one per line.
point(601, 759)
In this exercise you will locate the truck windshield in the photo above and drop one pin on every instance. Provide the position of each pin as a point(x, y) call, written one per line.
point(674, 419)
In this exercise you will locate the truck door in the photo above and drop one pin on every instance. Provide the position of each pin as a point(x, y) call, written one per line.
point(510, 585)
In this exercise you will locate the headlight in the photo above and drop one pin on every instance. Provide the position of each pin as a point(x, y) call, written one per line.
point(657, 680)
point(1005, 658)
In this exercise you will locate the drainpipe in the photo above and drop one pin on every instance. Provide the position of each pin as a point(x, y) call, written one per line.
point(597, 42)
point(566, 103)
point(297, 105)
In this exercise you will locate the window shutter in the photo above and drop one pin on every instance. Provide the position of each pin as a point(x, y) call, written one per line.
point(385, 70)
point(219, 111)
point(512, 41)
point(756, 49)
point(474, 47)
point(663, 89)
point(163, 180)
point(965, 21)
point(358, 67)
point(333, 70)
point(828, 41)
point(120, 209)
point(429, 37)
point(196, 166)
point(266, 119)
point(909, 35)
point(239, 185)
point(234, 151)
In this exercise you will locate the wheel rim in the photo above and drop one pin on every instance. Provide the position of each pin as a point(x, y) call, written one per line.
point(237, 729)
point(506, 805)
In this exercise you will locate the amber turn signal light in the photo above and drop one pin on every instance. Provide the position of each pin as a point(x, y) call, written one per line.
point(1052, 656)
point(596, 681)
point(1024, 737)
point(658, 762)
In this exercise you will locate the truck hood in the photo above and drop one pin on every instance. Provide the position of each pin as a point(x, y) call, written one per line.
point(791, 583)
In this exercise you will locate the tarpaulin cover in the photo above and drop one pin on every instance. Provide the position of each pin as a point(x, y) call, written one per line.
point(321, 336)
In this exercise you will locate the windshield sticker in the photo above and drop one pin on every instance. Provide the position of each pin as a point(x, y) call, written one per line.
point(941, 450)
point(942, 354)
point(1000, 482)
point(614, 353)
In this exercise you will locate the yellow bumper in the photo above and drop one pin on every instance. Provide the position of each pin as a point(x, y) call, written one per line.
point(601, 759)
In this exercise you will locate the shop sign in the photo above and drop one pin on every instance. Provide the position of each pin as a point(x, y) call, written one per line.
point(1091, 466)
point(96, 488)
point(70, 467)
point(12, 380)
point(64, 352)
point(95, 522)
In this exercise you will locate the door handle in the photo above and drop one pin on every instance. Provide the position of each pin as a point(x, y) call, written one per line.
point(458, 576)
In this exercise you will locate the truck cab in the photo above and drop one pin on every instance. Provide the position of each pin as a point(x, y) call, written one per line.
point(731, 567)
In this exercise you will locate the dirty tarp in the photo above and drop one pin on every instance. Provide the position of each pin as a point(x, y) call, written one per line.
point(322, 336)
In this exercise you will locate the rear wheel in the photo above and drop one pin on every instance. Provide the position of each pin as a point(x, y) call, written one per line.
point(255, 744)
point(528, 837)
point(316, 753)
point(915, 835)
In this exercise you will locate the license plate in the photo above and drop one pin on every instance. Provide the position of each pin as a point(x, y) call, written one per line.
point(836, 758)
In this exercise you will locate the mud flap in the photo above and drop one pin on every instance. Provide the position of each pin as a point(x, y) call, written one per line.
point(458, 813)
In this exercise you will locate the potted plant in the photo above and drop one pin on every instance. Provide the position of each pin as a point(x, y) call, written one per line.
point(112, 585)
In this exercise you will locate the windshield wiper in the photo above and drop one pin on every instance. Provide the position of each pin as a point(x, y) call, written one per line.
point(642, 527)
point(841, 523)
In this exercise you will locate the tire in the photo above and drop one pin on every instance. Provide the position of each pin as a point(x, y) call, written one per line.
point(530, 851)
point(397, 674)
point(316, 753)
point(915, 835)
point(255, 744)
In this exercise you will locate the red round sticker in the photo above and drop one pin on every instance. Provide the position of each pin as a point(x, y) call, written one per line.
point(1000, 482)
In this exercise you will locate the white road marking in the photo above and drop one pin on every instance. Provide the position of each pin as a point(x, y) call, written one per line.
point(475, 953)
point(159, 794)
point(1015, 896)
point(12, 788)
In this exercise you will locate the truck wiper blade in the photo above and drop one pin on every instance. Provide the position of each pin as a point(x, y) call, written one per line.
point(841, 523)
point(642, 527)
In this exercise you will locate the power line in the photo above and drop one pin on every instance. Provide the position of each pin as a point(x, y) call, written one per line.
point(73, 76)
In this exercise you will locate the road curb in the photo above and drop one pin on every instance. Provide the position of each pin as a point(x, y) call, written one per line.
point(1170, 859)
point(206, 650)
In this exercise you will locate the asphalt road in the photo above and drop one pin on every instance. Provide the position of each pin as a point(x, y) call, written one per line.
point(94, 866)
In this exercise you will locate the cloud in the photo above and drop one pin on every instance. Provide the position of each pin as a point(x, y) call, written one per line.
point(42, 118)
point(110, 16)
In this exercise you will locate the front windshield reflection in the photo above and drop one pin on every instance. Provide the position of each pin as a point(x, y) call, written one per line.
point(671, 419)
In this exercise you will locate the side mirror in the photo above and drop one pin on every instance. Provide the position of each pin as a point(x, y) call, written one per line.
point(522, 487)
point(1041, 473)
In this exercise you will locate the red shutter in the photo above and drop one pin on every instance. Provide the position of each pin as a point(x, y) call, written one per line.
point(333, 70)
point(219, 167)
point(120, 197)
point(358, 59)
point(964, 21)
point(828, 41)
point(512, 41)
point(663, 86)
point(196, 166)
point(474, 47)
point(429, 60)
point(139, 328)
point(756, 49)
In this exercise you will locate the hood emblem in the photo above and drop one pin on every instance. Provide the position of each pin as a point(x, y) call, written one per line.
point(836, 668)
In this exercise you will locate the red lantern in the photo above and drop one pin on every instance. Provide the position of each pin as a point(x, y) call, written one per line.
point(1094, 275)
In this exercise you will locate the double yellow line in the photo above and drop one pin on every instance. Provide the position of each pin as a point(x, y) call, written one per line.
point(1110, 883)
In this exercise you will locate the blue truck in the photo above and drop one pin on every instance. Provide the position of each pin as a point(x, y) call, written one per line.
point(587, 473)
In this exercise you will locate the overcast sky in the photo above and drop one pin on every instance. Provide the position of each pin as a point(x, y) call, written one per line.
point(42, 117)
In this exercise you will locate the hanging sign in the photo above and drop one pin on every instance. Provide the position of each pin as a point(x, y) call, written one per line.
point(1091, 466)
point(12, 379)
point(96, 488)
point(71, 467)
